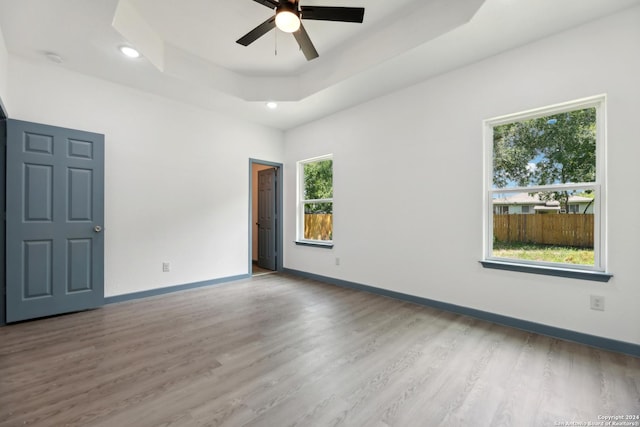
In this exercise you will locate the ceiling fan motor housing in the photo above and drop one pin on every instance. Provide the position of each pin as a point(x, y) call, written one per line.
point(288, 6)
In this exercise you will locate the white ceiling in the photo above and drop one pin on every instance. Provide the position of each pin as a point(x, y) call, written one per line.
point(190, 52)
point(216, 25)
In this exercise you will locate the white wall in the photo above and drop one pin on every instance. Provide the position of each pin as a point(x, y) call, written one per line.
point(4, 64)
point(176, 177)
point(408, 181)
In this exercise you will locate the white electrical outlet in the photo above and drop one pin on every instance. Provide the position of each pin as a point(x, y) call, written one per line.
point(166, 267)
point(337, 261)
point(597, 302)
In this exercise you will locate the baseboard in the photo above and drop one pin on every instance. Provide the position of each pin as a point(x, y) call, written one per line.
point(171, 289)
point(551, 331)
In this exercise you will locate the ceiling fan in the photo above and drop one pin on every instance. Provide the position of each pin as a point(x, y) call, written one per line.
point(287, 18)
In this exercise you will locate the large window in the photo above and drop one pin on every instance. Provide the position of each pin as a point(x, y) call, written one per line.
point(315, 200)
point(553, 160)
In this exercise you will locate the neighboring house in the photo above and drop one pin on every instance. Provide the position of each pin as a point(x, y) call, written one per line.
point(525, 203)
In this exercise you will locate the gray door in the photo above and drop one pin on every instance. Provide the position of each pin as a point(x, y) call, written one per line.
point(54, 220)
point(267, 216)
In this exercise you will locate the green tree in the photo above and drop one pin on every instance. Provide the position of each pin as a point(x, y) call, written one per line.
point(318, 184)
point(555, 149)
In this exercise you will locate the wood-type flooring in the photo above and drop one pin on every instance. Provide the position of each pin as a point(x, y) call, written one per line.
point(276, 350)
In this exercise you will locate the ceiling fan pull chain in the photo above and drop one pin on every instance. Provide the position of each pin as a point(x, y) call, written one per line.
point(276, 43)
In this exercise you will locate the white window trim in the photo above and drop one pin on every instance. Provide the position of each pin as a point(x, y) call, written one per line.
point(301, 201)
point(599, 186)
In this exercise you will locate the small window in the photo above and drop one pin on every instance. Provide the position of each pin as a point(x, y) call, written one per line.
point(315, 200)
point(553, 159)
point(501, 210)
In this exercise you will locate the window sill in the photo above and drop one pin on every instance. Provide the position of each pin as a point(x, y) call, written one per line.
point(314, 244)
point(595, 276)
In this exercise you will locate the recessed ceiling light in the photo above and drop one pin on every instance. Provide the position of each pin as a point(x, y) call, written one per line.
point(272, 105)
point(129, 51)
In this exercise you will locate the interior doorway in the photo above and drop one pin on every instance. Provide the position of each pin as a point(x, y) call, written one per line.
point(265, 219)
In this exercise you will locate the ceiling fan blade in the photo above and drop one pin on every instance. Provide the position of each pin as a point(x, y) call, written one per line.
point(329, 13)
point(271, 4)
point(305, 44)
point(257, 32)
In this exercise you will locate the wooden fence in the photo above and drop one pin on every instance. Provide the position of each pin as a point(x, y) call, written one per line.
point(318, 226)
point(547, 229)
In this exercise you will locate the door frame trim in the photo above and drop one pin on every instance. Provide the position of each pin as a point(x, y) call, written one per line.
point(3, 168)
point(279, 206)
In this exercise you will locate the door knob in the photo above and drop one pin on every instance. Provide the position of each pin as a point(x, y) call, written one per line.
point(97, 229)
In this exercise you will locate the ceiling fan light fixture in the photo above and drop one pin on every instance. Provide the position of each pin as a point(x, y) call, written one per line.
point(287, 21)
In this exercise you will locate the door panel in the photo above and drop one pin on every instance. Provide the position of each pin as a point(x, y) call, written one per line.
point(80, 197)
point(38, 275)
point(79, 260)
point(38, 193)
point(55, 196)
point(267, 219)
